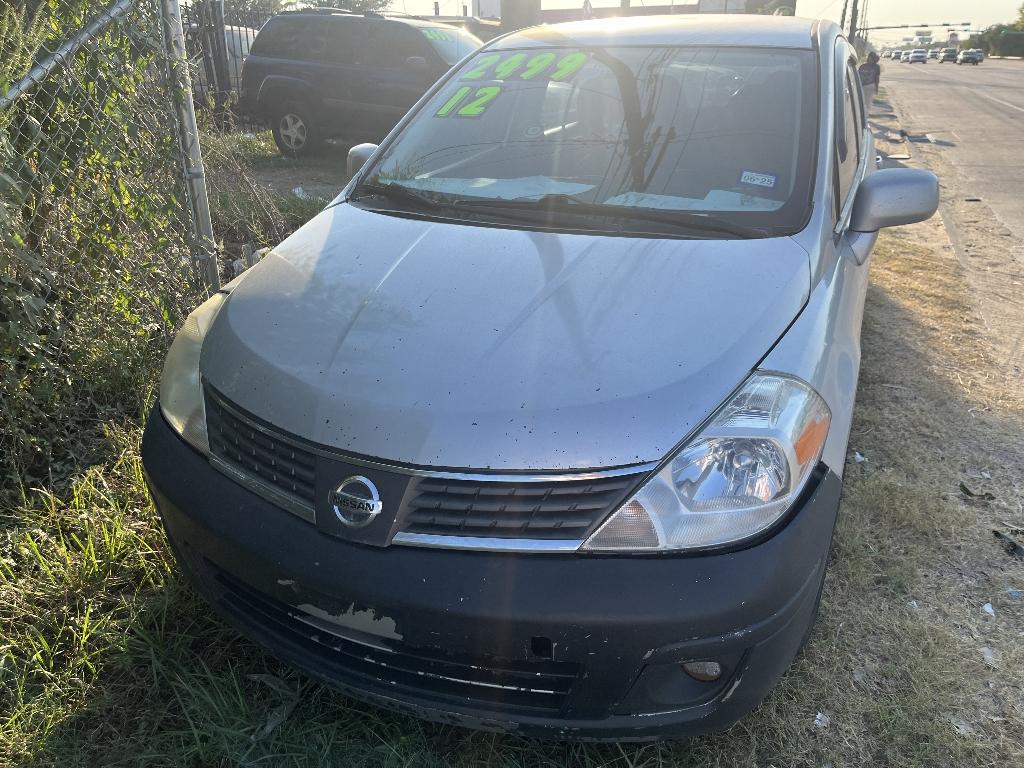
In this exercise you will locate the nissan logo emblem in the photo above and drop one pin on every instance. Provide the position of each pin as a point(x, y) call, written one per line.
point(356, 502)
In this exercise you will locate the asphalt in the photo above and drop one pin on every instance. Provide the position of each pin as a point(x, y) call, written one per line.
point(974, 115)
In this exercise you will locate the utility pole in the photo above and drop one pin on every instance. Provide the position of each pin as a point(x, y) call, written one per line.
point(842, 19)
point(853, 23)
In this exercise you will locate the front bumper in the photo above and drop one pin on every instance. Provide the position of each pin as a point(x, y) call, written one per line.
point(563, 646)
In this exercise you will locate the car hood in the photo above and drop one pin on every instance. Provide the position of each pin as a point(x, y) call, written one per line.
point(459, 346)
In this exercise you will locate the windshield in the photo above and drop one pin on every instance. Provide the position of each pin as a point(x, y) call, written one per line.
point(724, 132)
point(451, 43)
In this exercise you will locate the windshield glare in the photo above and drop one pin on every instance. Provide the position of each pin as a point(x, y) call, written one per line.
point(451, 43)
point(727, 132)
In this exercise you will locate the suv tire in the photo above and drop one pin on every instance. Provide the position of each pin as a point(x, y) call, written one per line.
point(295, 130)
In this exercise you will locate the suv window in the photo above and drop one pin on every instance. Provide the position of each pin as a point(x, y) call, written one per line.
point(343, 39)
point(389, 43)
point(281, 37)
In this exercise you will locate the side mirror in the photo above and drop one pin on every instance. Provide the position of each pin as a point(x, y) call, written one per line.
point(892, 197)
point(357, 157)
point(416, 63)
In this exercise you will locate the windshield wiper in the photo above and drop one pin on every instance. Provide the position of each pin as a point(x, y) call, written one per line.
point(394, 192)
point(568, 204)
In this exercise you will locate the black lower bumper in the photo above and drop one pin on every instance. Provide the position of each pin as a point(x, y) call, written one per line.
point(565, 646)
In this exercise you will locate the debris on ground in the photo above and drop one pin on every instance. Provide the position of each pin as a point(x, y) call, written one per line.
point(859, 457)
point(1014, 593)
point(961, 726)
point(1011, 545)
point(822, 720)
point(279, 714)
point(989, 655)
point(983, 496)
point(987, 608)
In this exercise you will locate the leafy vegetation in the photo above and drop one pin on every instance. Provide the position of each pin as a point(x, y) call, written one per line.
point(1002, 39)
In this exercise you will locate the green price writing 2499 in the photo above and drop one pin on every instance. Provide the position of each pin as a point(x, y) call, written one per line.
point(526, 66)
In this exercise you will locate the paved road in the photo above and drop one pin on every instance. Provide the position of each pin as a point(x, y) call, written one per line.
point(979, 111)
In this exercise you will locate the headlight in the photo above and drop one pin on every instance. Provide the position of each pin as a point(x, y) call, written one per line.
point(733, 480)
point(181, 392)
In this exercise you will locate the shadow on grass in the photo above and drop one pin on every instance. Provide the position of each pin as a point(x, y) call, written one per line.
point(175, 687)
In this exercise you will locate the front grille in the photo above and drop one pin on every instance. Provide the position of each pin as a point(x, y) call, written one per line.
point(558, 509)
point(257, 453)
point(530, 687)
point(562, 510)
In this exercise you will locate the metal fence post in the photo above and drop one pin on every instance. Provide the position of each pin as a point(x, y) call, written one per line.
point(192, 156)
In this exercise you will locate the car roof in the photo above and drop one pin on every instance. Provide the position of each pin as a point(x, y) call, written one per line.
point(336, 13)
point(678, 29)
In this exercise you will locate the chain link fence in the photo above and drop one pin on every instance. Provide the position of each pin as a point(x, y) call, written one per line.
point(105, 238)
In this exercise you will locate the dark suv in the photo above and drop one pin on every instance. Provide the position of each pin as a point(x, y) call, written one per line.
point(321, 73)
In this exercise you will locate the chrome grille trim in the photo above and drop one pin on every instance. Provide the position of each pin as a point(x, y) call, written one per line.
point(515, 476)
point(286, 501)
point(486, 544)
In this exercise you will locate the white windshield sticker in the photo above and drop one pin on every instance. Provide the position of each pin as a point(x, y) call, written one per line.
point(500, 189)
point(758, 179)
point(715, 200)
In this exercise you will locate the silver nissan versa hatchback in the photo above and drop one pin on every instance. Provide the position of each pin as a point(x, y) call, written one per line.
point(540, 425)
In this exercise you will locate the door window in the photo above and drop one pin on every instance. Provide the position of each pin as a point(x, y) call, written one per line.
point(390, 43)
point(343, 40)
point(848, 150)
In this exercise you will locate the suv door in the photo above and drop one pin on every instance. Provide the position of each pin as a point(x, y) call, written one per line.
point(337, 75)
point(385, 84)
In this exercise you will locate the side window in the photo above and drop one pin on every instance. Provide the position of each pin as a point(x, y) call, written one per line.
point(314, 43)
point(857, 94)
point(390, 43)
point(280, 38)
point(343, 39)
point(848, 156)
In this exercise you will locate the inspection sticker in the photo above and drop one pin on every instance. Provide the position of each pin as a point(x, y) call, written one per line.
point(758, 179)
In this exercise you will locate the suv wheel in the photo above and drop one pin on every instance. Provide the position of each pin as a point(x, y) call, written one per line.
point(295, 132)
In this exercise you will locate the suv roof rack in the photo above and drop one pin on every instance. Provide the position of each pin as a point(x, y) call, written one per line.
point(328, 11)
point(324, 11)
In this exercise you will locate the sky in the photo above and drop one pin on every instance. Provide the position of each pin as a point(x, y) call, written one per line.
point(981, 13)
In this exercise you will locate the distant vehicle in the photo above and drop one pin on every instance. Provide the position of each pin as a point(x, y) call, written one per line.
point(981, 53)
point(905, 57)
point(918, 56)
point(948, 54)
point(237, 41)
point(321, 73)
point(969, 57)
point(933, 53)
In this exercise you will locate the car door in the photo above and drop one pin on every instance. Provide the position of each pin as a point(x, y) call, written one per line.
point(386, 84)
point(338, 76)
